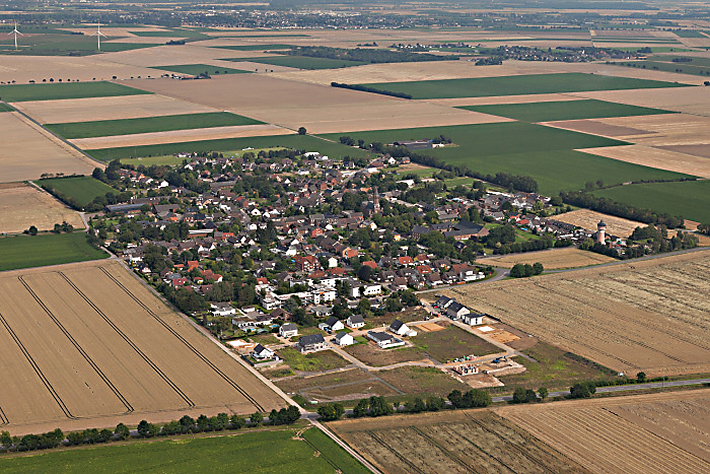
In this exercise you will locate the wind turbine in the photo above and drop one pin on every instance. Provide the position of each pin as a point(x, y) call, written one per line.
point(98, 35)
point(16, 32)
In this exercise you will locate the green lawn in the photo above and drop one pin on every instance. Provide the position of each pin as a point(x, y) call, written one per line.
point(65, 90)
point(302, 62)
point(25, 251)
point(563, 110)
point(5, 108)
point(689, 199)
point(169, 160)
point(272, 451)
point(83, 189)
point(197, 69)
point(516, 85)
point(103, 128)
point(314, 362)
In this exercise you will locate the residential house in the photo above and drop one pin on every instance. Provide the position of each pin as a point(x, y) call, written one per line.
point(331, 324)
point(288, 330)
point(223, 309)
point(456, 311)
point(344, 339)
point(401, 329)
point(384, 340)
point(355, 321)
point(311, 343)
point(262, 353)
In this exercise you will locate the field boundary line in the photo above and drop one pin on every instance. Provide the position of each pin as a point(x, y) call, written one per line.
point(143, 356)
point(3, 418)
point(395, 452)
point(78, 347)
point(445, 451)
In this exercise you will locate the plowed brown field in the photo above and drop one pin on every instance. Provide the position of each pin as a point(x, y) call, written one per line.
point(88, 345)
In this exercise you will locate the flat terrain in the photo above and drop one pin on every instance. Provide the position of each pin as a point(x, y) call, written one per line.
point(690, 100)
point(351, 384)
point(462, 441)
point(587, 219)
point(642, 316)
point(659, 433)
point(89, 313)
point(656, 157)
point(196, 69)
point(24, 251)
point(22, 206)
point(451, 343)
point(71, 90)
point(83, 189)
point(421, 381)
point(555, 259)
point(302, 62)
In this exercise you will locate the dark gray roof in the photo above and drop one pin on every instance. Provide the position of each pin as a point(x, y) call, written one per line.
point(380, 336)
point(311, 339)
point(331, 321)
point(396, 325)
point(357, 318)
point(289, 327)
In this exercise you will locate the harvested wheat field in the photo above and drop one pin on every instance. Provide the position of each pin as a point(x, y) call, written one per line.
point(166, 56)
point(504, 99)
point(587, 219)
point(22, 206)
point(88, 346)
point(27, 151)
point(689, 100)
point(555, 259)
point(670, 129)
point(597, 127)
point(452, 442)
point(644, 434)
point(657, 157)
point(642, 316)
point(179, 136)
point(108, 108)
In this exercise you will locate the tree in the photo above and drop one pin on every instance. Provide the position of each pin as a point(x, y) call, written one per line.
point(704, 228)
point(582, 390)
point(364, 306)
point(147, 430)
point(542, 392)
point(435, 403)
point(256, 418)
point(237, 422)
point(415, 406)
point(641, 377)
point(538, 268)
point(361, 409)
point(32, 230)
point(302, 130)
point(364, 273)
point(6, 439)
point(331, 412)
point(122, 431)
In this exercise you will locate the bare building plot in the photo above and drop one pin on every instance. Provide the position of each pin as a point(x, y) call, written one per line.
point(97, 348)
point(22, 206)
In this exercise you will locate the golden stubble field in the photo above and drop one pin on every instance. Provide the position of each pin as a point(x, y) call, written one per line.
point(22, 206)
point(643, 434)
point(689, 100)
point(88, 346)
point(648, 316)
point(555, 259)
point(588, 219)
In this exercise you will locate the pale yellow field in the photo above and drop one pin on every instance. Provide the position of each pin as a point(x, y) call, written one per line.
point(643, 434)
point(555, 259)
point(178, 136)
point(22, 206)
point(656, 158)
point(690, 100)
point(641, 316)
point(167, 56)
point(505, 99)
point(104, 350)
point(108, 108)
point(587, 219)
point(27, 151)
point(670, 129)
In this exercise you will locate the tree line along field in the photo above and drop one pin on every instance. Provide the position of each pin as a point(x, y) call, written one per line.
point(197, 69)
point(302, 62)
point(125, 355)
point(538, 151)
point(517, 85)
point(103, 128)
point(563, 110)
point(65, 90)
point(25, 251)
point(463, 441)
point(5, 108)
point(689, 199)
point(285, 451)
point(83, 189)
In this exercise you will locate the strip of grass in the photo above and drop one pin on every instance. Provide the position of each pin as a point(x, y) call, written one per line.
point(25, 251)
point(563, 110)
point(257, 47)
point(333, 453)
point(315, 362)
point(302, 62)
point(274, 451)
point(83, 189)
point(65, 90)
point(688, 199)
point(104, 128)
point(169, 160)
point(197, 69)
point(298, 142)
point(517, 85)
point(5, 108)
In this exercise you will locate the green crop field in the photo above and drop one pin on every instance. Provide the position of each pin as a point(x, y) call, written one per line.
point(57, 43)
point(83, 189)
point(270, 451)
point(516, 85)
point(563, 110)
point(695, 67)
point(197, 69)
point(104, 128)
point(25, 251)
point(689, 34)
point(66, 90)
point(298, 142)
point(688, 199)
point(302, 62)
point(523, 148)
point(5, 108)
point(257, 47)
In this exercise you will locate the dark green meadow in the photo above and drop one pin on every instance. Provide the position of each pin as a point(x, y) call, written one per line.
point(24, 251)
point(65, 90)
point(302, 62)
point(83, 189)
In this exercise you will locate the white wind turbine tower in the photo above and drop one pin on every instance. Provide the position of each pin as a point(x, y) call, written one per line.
point(16, 32)
point(98, 35)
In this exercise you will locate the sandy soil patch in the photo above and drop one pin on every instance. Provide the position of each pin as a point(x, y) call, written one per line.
point(178, 136)
point(639, 316)
point(551, 259)
point(321, 109)
point(27, 151)
point(587, 219)
point(656, 157)
point(24, 206)
point(108, 108)
point(690, 100)
point(659, 433)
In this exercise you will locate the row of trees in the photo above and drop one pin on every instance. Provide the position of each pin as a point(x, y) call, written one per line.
point(360, 87)
point(520, 270)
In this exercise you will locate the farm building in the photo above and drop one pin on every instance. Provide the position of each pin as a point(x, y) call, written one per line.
point(312, 343)
point(384, 340)
point(288, 330)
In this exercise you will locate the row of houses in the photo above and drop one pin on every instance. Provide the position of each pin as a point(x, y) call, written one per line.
point(457, 311)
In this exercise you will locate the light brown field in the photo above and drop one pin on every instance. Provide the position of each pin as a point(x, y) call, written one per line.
point(702, 150)
point(656, 157)
point(22, 206)
point(27, 151)
point(689, 100)
point(670, 129)
point(108, 108)
point(642, 316)
point(88, 346)
point(597, 127)
point(644, 434)
point(463, 441)
point(167, 56)
point(555, 259)
point(321, 109)
point(506, 99)
point(587, 219)
point(178, 136)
